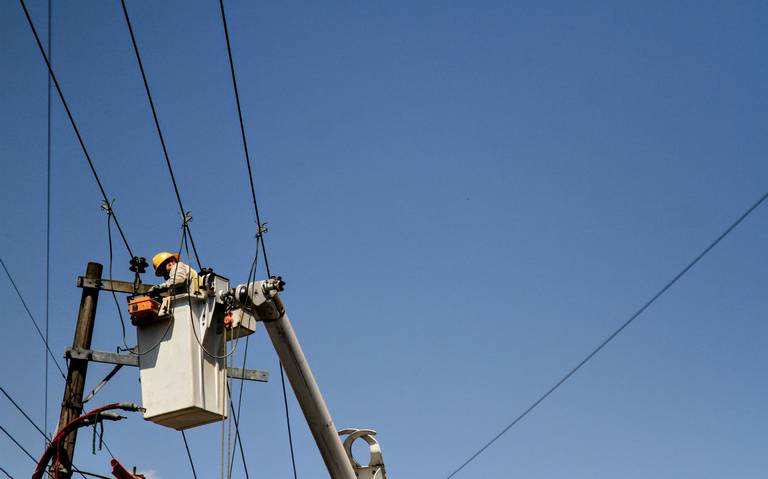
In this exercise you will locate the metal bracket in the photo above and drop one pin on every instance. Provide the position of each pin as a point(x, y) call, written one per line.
point(375, 468)
point(101, 357)
point(112, 285)
point(248, 374)
point(133, 360)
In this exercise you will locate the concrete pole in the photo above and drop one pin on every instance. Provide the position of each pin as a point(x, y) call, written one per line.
point(72, 405)
point(310, 399)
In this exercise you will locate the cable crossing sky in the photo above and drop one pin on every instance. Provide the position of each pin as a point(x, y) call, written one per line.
point(621, 328)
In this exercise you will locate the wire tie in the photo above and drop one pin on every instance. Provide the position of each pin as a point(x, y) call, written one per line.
point(107, 206)
point(262, 229)
point(186, 218)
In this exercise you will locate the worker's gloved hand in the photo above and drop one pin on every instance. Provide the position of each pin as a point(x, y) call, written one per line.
point(154, 289)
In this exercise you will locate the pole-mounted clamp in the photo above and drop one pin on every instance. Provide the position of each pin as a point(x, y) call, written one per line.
point(375, 468)
point(107, 207)
point(262, 228)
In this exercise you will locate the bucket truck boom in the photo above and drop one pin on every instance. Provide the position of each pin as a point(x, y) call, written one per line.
point(262, 300)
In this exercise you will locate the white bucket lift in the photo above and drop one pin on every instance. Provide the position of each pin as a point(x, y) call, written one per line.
point(183, 378)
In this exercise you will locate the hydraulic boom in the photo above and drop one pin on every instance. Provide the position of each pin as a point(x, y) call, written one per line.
point(262, 299)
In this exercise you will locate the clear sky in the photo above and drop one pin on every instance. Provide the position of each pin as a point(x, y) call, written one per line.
point(464, 197)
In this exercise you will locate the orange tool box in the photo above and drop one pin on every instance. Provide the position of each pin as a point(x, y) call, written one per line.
point(143, 309)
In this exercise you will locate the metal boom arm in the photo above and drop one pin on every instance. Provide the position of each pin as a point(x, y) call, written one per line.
point(262, 299)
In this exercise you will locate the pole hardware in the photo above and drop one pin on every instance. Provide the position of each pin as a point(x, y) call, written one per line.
point(138, 267)
point(102, 357)
point(133, 360)
point(375, 468)
point(113, 285)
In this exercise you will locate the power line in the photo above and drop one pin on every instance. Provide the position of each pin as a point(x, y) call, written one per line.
point(10, 436)
point(242, 133)
point(29, 313)
point(157, 126)
point(236, 415)
point(72, 120)
point(48, 220)
point(6, 473)
point(189, 455)
point(287, 419)
point(260, 232)
point(108, 209)
point(621, 328)
point(26, 416)
point(13, 283)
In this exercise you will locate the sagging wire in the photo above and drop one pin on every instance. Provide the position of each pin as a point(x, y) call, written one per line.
point(107, 207)
point(192, 319)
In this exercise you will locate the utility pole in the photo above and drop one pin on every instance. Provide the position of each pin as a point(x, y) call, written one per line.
point(72, 404)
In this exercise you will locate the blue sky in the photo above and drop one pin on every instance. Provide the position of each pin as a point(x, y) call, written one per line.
point(465, 199)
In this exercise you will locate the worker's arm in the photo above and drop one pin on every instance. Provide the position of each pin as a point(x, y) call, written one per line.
point(180, 273)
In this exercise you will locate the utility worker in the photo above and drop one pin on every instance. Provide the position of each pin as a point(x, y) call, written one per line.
point(170, 267)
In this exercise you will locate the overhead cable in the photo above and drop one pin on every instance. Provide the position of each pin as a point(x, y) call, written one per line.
point(621, 328)
point(288, 420)
point(10, 436)
point(238, 440)
point(48, 219)
point(189, 455)
point(29, 313)
point(6, 473)
point(107, 207)
point(236, 415)
point(242, 134)
point(26, 416)
point(184, 212)
point(72, 121)
point(259, 224)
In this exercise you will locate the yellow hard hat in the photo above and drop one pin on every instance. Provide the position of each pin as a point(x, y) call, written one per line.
point(159, 260)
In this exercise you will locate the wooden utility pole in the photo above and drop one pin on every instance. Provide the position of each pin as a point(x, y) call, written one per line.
point(72, 404)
